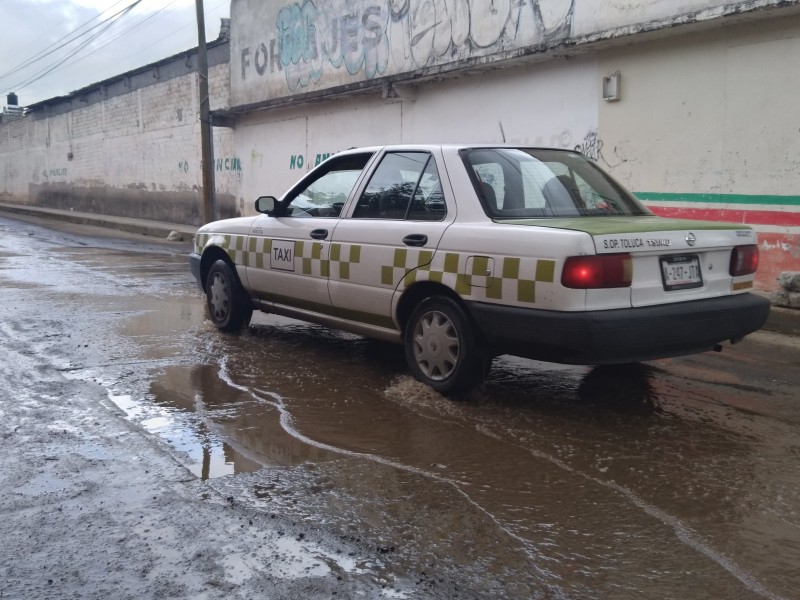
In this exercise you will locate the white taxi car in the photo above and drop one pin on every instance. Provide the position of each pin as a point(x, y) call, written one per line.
point(465, 252)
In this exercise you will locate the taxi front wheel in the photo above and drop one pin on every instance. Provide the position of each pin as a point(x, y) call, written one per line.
point(441, 348)
point(228, 307)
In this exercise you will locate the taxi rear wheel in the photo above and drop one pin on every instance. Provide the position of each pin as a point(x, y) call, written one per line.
point(441, 348)
point(228, 307)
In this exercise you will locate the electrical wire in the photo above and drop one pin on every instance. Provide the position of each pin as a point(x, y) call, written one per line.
point(53, 47)
point(123, 33)
point(73, 58)
point(49, 69)
point(161, 41)
point(179, 29)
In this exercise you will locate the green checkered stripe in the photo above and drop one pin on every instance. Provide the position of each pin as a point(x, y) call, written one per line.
point(257, 252)
point(342, 256)
point(200, 241)
point(509, 279)
point(404, 260)
point(309, 255)
point(236, 247)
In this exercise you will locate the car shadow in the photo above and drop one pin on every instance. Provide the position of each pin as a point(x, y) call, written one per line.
point(621, 388)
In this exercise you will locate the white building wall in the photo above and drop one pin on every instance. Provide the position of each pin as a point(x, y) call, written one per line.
point(286, 48)
point(277, 148)
point(707, 128)
point(601, 18)
point(546, 105)
point(712, 112)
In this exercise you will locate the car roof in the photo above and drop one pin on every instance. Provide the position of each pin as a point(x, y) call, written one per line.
point(448, 146)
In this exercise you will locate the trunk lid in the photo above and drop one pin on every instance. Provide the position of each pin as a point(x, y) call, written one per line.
point(673, 260)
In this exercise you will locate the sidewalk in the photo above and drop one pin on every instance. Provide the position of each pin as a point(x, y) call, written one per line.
point(130, 225)
point(781, 320)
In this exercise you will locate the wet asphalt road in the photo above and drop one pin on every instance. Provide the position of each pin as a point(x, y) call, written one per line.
point(673, 479)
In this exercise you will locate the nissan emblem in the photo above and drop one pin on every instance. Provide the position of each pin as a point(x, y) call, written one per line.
point(690, 238)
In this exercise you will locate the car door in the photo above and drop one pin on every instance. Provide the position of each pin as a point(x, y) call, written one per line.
point(392, 229)
point(290, 246)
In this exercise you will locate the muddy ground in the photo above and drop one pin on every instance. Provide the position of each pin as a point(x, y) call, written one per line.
point(147, 456)
point(92, 505)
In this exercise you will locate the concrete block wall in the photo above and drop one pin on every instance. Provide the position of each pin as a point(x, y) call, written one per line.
point(13, 141)
point(219, 86)
point(128, 147)
point(227, 164)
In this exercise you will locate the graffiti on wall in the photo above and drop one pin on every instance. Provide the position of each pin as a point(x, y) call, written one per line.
point(50, 174)
point(591, 146)
point(298, 161)
point(317, 40)
point(220, 164)
point(228, 164)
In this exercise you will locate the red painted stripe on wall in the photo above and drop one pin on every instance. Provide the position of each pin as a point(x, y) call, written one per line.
point(747, 217)
point(779, 253)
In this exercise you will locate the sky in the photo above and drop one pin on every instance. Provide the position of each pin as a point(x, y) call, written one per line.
point(51, 48)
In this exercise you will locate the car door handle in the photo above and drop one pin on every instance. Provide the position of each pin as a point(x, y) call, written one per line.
point(415, 239)
point(319, 234)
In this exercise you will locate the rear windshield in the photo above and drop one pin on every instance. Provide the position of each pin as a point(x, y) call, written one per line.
point(530, 183)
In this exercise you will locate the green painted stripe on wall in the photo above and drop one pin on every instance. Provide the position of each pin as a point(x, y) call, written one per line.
point(721, 198)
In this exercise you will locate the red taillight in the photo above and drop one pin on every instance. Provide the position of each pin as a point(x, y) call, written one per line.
point(744, 260)
point(599, 271)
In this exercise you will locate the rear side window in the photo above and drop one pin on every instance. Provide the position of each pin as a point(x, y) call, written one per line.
point(406, 185)
point(530, 183)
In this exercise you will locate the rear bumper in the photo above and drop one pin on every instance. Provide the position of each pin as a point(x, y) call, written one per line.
point(619, 336)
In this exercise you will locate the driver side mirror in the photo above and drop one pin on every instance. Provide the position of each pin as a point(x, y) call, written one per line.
point(266, 204)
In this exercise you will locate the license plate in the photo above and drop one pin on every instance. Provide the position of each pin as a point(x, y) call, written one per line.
point(681, 272)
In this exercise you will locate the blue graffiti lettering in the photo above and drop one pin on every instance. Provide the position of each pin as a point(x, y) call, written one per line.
point(307, 39)
point(355, 35)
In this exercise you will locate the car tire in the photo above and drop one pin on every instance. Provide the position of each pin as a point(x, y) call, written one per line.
point(228, 306)
point(441, 348)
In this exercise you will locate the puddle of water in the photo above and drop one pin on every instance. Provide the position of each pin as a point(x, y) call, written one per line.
point(564, 476)
point(433, 440)
point(204, 453)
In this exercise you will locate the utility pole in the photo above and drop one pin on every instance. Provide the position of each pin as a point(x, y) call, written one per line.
point(206, 139)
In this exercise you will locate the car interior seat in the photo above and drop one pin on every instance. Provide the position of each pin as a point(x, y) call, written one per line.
point(562, 196)
point(489, 196)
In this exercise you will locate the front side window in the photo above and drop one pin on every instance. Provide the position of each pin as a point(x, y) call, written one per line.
point(406, 185)
point(327, 189)
point(530, 183)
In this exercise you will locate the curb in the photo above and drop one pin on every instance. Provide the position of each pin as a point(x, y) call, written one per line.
point(130, 225)
point(783, 320)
